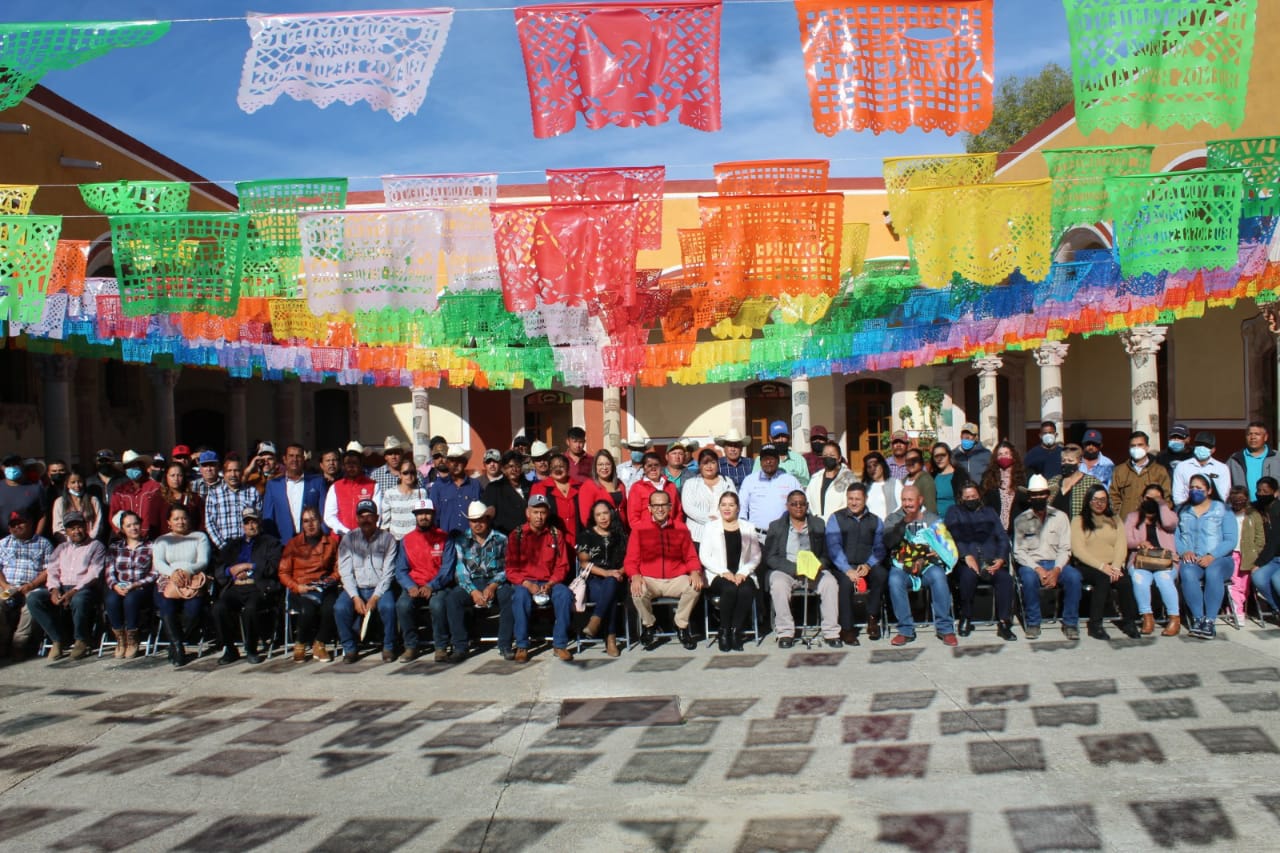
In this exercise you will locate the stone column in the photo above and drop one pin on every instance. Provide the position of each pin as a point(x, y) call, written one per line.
point(164, 380)
point(612, 438)
point(421, 426)
point(988, 410)
point(1050, 357)
point(237, 416)
point(55, 371)
point(738, 407)
point(800, 419)
point(1142, 343)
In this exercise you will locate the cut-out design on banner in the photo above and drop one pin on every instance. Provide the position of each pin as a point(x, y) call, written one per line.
point(1259, 157)
point(1079, 180)
point(471, 262)
point(30, 51)
point(439, 190)
point(623, 183)
point(28, 246)
point(1177, 220)
point(385, 58)
point(15, 199)
point(70, 263)
point(1011, 233)
point(902, 174)
point(179, 262)
point(1153, 62)
point(892, 65)
point(567, 252)
point(621, 64)
point(274, 251)
point(136, 196)
point(771, 177)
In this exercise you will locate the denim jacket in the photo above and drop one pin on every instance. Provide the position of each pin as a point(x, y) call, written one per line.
point(1213, 533)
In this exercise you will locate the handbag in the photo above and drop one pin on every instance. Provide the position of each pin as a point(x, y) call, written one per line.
point(1153, 559)
point(578, 586)
point(193, 589)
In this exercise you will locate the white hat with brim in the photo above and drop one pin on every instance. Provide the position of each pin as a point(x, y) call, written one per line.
point(733, 436)
point(639, 441)
point(131, 456)
point(477, 510)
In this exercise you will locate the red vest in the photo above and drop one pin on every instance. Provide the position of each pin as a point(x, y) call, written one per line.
point(423, 553)
point(350, 493)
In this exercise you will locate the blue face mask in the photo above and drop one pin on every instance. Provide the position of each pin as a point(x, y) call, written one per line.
point(1196, 496)
point(967, 444)
point(1203, 453)
point(637, 456)
point(134, 474)
point(12, 472)
point(1176, 446)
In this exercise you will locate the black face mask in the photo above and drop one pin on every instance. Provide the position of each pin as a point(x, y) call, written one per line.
point(1069, 468)
point(106, 468)
point(1092, 454)
point(1038, 504)
point(1264, 501)
point(971, 504)
point(1150, 507)
point(58, 479)
point(829, 463)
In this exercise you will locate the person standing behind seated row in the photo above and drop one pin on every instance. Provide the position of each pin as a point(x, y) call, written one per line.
point(1003, 487)
point(366, 566)
point(662, 562)
point(827, 488)
point(948, 480)
point(537, 566)
point(453, 494)
point(855, 547)
point(1131, 478)
point(603, 485)
point(651, 481)
point(735, 464)
point(1067, 492)
point(984, 547)
point(74, 498)
point(395, 512)
point(1206, 537)
point(730, 552)
point(1151, 527)
point(289, 494)
point(309, 570)
point(340, 514)
point(1101, 550)
point(1042, 555)
point(884, 493)
point(700, 496)
point(561, 493)
point(764, 491)
point(796, 532)
point(509, 496)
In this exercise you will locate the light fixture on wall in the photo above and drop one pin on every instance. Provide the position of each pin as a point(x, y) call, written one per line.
point(14, 127)
point(77, 163)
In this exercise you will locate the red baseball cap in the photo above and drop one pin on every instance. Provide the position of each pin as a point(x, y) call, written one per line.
point(15, 517)
point(180, 450)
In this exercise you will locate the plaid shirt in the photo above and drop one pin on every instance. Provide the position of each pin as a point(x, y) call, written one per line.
point(389, 480)
point(22, 561)
point(130, 567)
point(480, 564)
point(201, 488)
point(223, 512)
point(736, 473)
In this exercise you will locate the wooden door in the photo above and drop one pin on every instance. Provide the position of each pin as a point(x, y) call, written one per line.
point(869, 409)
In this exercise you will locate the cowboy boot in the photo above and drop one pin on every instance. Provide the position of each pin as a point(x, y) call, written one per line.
point(1173, 628)
point(130, 644)
point(120, 643)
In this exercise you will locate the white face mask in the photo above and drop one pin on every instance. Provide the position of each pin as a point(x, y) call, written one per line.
point(1137, 454)
point(1049, 439)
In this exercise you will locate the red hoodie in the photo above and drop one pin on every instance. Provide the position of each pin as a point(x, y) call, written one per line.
point(661, 552)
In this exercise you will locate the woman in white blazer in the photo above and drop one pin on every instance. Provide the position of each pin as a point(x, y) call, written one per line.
point(700, 495)
point(730, 551)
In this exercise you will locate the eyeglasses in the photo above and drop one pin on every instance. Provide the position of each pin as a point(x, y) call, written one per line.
point(1100, 499)
point(659, 506)
point(797, 503)
point(408, 473)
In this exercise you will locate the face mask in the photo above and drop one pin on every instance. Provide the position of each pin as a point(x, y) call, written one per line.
point(830, 464)
point(1137, 454)
point(105, 468)
point(1005, 462)
point(1049, 439)
point(75, 493)
point(1092, 454)
point(1264, 501)
point(12, 472)
point(58, 479)
point(1196, 496)
point(1238, 504)
point(637, 456)
point(1069, 468)
point(1177, 445)
point(971, 504)
point(1202, 453)
point(1150, 507)
point(967, 444)
point(1038, 504)
point(157, 475)
point(134, 474)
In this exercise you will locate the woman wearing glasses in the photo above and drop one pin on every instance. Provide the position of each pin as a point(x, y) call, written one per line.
point(1100, 549)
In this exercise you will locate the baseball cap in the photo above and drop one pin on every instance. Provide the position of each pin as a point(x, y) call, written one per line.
point(778, 428)
point(1180, 431)
point(180, 450)
point(266, 447)
point(477, 509)
point(70, 518)
point(818, 432)
point(676, 444)
point(521, 440)
point(208, 457)
point(769, 450)
point(366, 506)
point(250, 512)
point(538, 500)
point(1092, 436)
point(970, 428)
point(899, 435)
point(493, 454)
point(421, 505)
point(108, 454)
point(15, 517)
point(1206, 439)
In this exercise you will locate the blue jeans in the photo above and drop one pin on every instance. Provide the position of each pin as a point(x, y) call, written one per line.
point(1204, 589)
point(935, 578)
point(1266, 580)
point(1163, 580)
point(344, 613)
point(1070, 581)
point(51, 617)
point(448, 622)
point(505, 621)
point(603, 592)
point(522, 607)
point(123, 610)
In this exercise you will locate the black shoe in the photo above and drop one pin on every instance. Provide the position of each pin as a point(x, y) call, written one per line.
point(229, 656)
point(1005, 631)
point(739, 641)
point(1130, 630)
point(459, 655)
point(1099, 633)
point(647, 639)
point(254, 658)
point(686, 638)
point(965, 627)
point(833, 643)
point(786, 642)
point(507, 654)
point(725, 640)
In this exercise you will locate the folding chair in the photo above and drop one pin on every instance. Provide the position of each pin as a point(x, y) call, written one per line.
point(712, 603)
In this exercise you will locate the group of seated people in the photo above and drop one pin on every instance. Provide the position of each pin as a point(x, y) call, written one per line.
point(572, 533)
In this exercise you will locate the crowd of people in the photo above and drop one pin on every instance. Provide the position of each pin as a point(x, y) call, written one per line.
point(349, 540)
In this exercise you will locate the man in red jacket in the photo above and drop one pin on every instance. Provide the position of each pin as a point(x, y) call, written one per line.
point(651, 481)
point(141, 495)
point(537, 565)
point(662, 562)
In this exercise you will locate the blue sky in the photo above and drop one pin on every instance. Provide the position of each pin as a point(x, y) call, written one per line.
point(179, 96)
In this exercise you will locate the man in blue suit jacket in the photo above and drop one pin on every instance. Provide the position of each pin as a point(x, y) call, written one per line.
point(288, 494)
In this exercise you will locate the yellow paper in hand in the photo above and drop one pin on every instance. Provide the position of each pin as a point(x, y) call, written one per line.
point(807, 565)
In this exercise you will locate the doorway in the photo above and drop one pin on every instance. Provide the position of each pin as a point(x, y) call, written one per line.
point(332, 419)
point(203, 428)
point(868, 410)
point(547, 415)
point(767, 402)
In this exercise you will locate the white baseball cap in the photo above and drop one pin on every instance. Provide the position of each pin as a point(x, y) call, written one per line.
point(423, 505)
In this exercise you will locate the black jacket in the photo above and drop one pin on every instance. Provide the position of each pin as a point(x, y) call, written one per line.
point(775, 544)
point(264, 553)
point(508, 504)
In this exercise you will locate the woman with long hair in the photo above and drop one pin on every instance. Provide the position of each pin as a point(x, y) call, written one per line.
point(181, 559)
point(604, 485)
point(131, 578)
point(1205, 539)
point(74, 498)
point(562, 496)
point(884, 492)
point(1004, 484)
point(1151, 527)
point(1100, 549)
point(701, 493)
point(309, 570)
point(730, 552)
point(396, 513)
point(948, 478)
point(601, 549)
point(176, 491)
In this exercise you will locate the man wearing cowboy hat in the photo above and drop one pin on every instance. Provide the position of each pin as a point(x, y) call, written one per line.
point(735, 464)
point(141, 495)
point(452, 494)
point(630, 470)
point(482, 571)
point(387, 475)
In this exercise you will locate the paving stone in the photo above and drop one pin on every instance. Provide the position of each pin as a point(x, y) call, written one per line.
point(359, 835)
point(694, 733)
point(1087, 689)
point(1150, 710)
point(612, 713)
point(121, 830)
point(279, 734)
point(17, 820)
point(37, 757)
point(999, 695)
point(1252, 676)
point(447, 762)
point(505, 834)
point(735, 661)
point(68, 692)
point(523, 713)
point(124, 761)
point(363, 710)
point(930, 832)
point(799, 659)
point(580, 738)
point(769, 762)
point(198, 706)
point(187, 731)
point(372, 735)
point(1003, 756)
point(469, 735)
point(128, 702)
point(448, 710)
point(1054, 828)
point(242, 832)
point(1166, 683)
point(808, 706)
point(783, 731)
point(1270, 802)
point(904, 700)
point(1234, 740)
point(663, 767)
point(720, 707)
point(338, 763)
point(547, 768)
point(502, 667)
point(230, 762)
point(1172, 823)
point(786, 835)
point(876, 727)
point(1243, 703)
point(1127, 748)
point(1069, 714)
point(31, 722)
point(975, 720)
point(669, 836)
point(891, 762)
point(660, 664)
point(281, 709)
point(894, 655)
